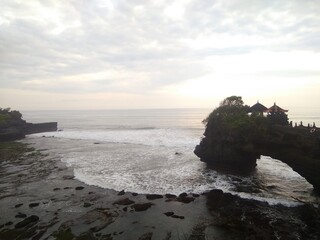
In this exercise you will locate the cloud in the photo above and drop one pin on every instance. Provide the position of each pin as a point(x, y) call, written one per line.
point(143, 47)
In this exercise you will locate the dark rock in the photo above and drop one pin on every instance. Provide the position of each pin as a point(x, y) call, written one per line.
point(135, 194)
point(20, 215)
point(29, 220)
point(86, 204)
point(184, 198)
point(67, 188)
point(125, 209)
point(32, 205)
point(183, 195)
point(66, 177)
point(153, 196)
point(18, 205)
point(124, 201)
point(96, 143)
point(139, 207)
point(121, 193)
point(176, 216)
point(146, 236)
point(195, 195)
point(169, 214)
point(79, 188)
point(9, 223)
point(56, 189)
point(170, 195)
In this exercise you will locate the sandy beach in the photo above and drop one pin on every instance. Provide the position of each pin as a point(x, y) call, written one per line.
point(41, 199)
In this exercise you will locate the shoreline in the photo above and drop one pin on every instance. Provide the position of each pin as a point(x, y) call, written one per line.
point(41, 199)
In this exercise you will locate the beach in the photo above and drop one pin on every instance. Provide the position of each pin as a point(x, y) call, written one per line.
point(41, 199)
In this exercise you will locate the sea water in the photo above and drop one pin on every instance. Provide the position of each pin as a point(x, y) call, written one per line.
point(151, 151)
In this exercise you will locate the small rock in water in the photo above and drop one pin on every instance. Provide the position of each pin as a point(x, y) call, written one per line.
point(169, 214)
point(176, 216)
point(32, 205)
point(18, 205)
point(29, 220)
point(79, 188)
point(135, 194)
point(87, 205)
point(195, 195)
point(170, 195)
point(122, 192)
point(139, 207)
point(153, 196)
point(56, 189)
point(183, 194)
point(67, 177)
point(125, 201)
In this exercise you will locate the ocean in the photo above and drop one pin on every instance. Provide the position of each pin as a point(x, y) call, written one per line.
point(151, 151)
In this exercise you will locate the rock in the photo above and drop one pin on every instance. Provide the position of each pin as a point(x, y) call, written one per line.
point(9, 223)
point(67, 177)
point(153, 196)
point(56, 189)
point(176, 216)
point(79, 188)
point(87, 205)
point(124, 201)
point(121, 193)
point(135, 194)
point(125, 209)
point(170, 195)
point(29, 220)
point(195, 195)
point(20, 215)
point(139, 207)
point(169, 214)
point(32, 205)
point(146, 236)
point(183, 195)
point(18, 205)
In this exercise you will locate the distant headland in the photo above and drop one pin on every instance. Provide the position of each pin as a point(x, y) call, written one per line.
point(236, 135)
point(13, 127)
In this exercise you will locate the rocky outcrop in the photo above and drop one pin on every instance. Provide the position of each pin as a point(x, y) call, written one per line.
point(13, 127)
point(297, 147)
point(31, 128)
point(234, 139)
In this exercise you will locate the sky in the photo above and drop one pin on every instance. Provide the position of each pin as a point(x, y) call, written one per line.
point(119, 54)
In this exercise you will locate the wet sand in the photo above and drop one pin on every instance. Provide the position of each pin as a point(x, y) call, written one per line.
point(40, 199)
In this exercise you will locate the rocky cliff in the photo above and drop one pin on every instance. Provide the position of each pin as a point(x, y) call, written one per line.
point(233, 140)
point(13, 127)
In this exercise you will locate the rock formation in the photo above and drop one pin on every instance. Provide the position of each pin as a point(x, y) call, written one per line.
point(13, 127)
point(233, 140)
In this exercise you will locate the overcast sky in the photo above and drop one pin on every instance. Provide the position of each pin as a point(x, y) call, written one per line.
point(101, 54)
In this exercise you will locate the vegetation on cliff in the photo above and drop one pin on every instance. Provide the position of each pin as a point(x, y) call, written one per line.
point(229, 135)
point(11, 125)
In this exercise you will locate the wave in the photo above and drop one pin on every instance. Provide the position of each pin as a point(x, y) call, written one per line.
point(141, 136)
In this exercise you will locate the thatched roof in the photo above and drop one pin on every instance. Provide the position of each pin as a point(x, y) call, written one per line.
point(276, 108)
point(258, 107)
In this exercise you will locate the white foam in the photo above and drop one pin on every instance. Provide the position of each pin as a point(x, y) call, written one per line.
point(146, 136)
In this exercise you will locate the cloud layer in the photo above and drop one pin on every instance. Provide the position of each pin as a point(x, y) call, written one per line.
point(149, 47)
